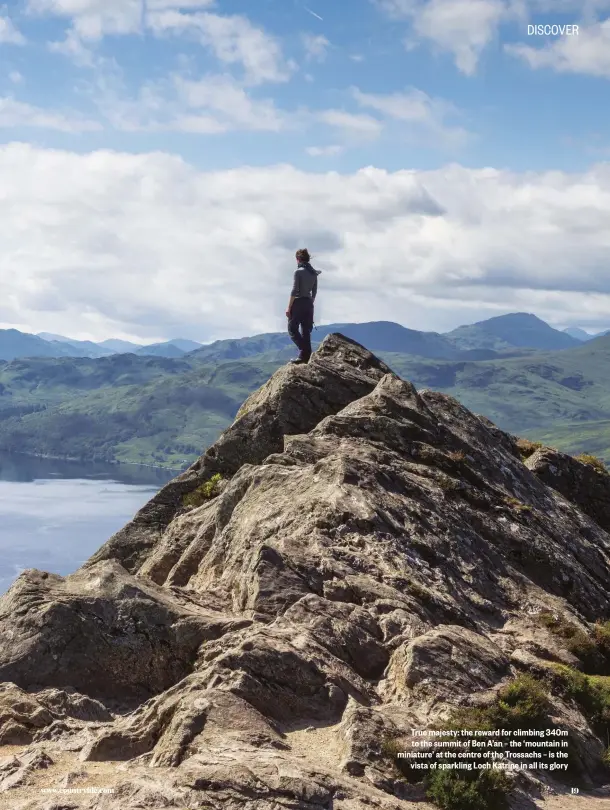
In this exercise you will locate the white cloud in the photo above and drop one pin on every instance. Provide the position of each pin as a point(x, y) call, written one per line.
point(15, 77)
point(419, 112)
point(9, 35)
point(210, 105)
point(464, 28)
point(352, 124)
point(224, 97)
point(75, 49)
point(170, 250)
point(461, 27)
point(325, 151)
point(316, 47)
point(94, 19)
point(19, 114)
point(233, 39)
point(156, 5)
point(587, 53)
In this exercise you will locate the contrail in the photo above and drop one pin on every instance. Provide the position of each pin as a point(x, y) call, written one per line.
point(313, 13)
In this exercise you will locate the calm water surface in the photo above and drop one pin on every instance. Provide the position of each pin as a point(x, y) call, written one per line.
point(55, 514)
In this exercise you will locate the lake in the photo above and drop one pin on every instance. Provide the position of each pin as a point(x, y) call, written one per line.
point(55, 514)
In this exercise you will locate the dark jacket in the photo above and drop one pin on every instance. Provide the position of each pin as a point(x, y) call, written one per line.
point(305, 283)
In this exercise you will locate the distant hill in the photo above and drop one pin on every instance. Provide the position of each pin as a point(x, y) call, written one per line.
point(579, 334)
point(15, 344)
point(504, 336)
point(51, 337)
point(185, 345)
point(120, 346)
point(583, 336)
point(517, 330)
point(377, 336)
point(82, 348)
point(168, 349)
point(149, 409)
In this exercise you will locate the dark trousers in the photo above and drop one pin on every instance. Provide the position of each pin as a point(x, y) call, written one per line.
point(300, 325)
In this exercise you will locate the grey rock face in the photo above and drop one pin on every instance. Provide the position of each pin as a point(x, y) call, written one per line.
point(370, 561)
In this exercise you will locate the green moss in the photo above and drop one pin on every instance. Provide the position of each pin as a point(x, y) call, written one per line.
point(469, 790)
point(594, 462)
point(203, 493)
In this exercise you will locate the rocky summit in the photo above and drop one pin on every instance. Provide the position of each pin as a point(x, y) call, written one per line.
point(350, 561)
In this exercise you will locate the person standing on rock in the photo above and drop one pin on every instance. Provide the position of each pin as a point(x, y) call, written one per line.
point(300, 306)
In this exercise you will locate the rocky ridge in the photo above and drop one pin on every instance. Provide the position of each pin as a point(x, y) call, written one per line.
point(372, 558)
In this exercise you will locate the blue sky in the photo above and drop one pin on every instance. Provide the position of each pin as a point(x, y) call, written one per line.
point(473, 159)
point(491, 108)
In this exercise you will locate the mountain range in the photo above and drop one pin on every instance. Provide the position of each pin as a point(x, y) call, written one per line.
point(515, 333)
point(580, 334)
point(147, 407)
point(15, 344)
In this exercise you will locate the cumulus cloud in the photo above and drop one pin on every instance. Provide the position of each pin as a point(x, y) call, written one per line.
point(316, 47)
point(155, 5)
point(332, 150)
point(460, 27)
point(418, 112)
point(147, 246)
point(9, 35)
point(233, 39)
point(212, 104)
point(587, 53)
point(94, 19)
point(352, 125)
point(464, 28)
point(15, 113)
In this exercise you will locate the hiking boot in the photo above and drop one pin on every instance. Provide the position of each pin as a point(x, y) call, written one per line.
point(297, 361)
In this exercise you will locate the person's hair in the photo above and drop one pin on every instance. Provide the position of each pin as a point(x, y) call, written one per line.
point(303, 255)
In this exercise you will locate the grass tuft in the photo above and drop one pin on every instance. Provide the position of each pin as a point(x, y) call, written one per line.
point(203, 493)
point(597, 464)
point(527, 448)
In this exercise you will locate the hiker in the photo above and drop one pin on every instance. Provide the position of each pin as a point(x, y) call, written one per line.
point(300, 306)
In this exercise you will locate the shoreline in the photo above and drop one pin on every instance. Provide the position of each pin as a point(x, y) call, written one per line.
point(91, 461)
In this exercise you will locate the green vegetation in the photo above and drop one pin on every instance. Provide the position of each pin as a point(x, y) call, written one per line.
point(593, 650)
point(470, 790)
point(145, 410)
point(594, 462)
point(590, 692)
point(523, 703)
point(559, 399)
point(203, 493)
point(161, 410)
